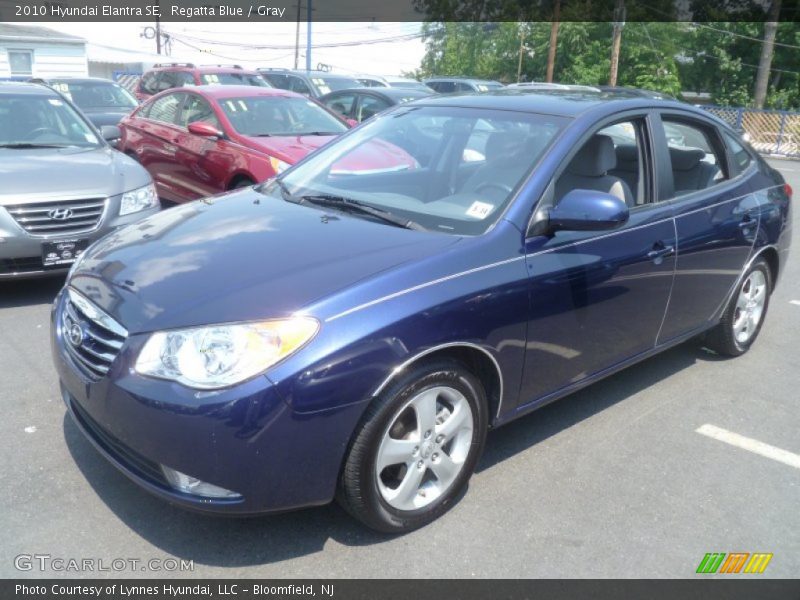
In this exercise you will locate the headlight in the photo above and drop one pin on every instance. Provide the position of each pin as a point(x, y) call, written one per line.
point(278, 165)
point(218, 356)
point(138, 199)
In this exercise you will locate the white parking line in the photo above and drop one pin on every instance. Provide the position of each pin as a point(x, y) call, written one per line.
point(797, 302)
point(754, 446)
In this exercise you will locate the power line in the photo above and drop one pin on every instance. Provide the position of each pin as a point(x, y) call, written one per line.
point(746, 37)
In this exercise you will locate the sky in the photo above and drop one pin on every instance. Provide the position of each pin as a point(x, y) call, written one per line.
point(389, 58)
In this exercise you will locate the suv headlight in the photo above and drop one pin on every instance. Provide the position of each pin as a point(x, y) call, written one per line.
point(139, 199)
point(218, 356)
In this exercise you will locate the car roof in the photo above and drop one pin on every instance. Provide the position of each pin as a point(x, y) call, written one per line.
point(218, 92)
point(311, 73)
point(30, 89)
point(206, 69)
point(567, 103)
point(465, 79)
point(388, 92)
point(75, 80)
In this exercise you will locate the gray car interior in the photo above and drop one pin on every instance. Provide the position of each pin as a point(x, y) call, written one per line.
point(589, 170)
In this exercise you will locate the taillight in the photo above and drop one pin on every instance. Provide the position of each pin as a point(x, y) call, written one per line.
point(788, 189)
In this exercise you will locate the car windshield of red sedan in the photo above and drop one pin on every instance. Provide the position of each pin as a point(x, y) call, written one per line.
point(440, 168)
point(234, 79)
point(262, 116)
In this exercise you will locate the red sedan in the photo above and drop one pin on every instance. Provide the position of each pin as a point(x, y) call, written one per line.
point(204, 140)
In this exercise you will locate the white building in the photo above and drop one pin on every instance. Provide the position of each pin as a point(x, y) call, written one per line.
point(32, 51)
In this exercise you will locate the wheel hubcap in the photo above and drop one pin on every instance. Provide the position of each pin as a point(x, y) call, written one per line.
point(749, 307)
point(424, 448)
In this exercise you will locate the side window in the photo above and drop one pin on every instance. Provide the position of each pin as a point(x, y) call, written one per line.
point(165, 109)
point(148, 83)
point(741, 158)
point(611, 161)
point(279, 81)
point(299, 86)
point(342, 104)
point(445, 87)
point(196, 109)
point(173, 79)
point(695, 154)
point(370, 106)
point(464, 87)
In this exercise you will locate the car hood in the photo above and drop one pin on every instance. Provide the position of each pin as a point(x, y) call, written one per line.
point(238, 257)
point(288, 148)
point(34, 175)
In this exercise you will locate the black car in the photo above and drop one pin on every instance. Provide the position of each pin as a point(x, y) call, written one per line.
point(101, 100)
point(360, 104)
point(313, 84)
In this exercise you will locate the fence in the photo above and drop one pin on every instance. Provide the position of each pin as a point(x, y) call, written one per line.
point(128, 79)
point(771, 131)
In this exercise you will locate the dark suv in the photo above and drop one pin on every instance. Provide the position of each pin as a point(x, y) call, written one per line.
point(309, 83)
point(165, 76)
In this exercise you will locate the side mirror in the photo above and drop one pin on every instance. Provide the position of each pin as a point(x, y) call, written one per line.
point(351, 122)
point(111, 134)
point(204, 129)
point(587, 210)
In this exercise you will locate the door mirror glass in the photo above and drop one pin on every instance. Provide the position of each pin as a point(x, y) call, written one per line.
point(587, 210)
point(111, 134)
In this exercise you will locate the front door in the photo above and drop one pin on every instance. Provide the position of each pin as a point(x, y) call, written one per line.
point(598, 299)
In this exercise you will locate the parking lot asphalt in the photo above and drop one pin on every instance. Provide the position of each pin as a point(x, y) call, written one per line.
point(614, 481)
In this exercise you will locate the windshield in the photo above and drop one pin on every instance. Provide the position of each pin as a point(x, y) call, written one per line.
point(332, 84)
point(26, 119)
point(96, 94)
point(280, 115)
point(447, 169)
point(234, 79)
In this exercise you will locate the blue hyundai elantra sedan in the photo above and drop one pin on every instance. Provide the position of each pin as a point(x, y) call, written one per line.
point(352, 331)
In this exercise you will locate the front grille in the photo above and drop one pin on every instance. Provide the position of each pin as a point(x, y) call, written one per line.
point(92, 338)
point(121, 453)
point(29, 264)
point(58, 218)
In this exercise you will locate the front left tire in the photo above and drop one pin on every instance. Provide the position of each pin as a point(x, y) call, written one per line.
point(415, 449)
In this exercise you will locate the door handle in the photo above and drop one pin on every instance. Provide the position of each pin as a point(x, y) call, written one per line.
point(747, 221)
point(659, 252)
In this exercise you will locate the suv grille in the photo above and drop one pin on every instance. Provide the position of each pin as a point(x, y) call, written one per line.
point(58, 218)
point(91, 337)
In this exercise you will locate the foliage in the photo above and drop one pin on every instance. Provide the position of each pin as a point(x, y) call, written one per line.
point(716, 57)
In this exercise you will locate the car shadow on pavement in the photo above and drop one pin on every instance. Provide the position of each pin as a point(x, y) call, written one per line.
point(26, 292)
point(237, 542)
point(549, 420)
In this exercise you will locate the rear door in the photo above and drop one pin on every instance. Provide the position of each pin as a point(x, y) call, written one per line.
point(598, 298)
point(716, 219)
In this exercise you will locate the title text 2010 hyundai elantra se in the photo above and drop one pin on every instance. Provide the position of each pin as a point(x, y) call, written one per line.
point(354, 332)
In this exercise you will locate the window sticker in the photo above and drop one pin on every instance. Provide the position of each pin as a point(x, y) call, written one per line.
point(55, 102)
point(480, 210)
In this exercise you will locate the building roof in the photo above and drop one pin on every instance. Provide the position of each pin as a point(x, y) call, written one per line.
point(100, 53)
point(35, 33)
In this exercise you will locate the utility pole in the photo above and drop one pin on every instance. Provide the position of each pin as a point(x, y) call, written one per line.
point(767, 50)
point(308, 39)
point(551, 52)
point(158, 31)
point(521, 50)
point(297, 35)
point(619, 23)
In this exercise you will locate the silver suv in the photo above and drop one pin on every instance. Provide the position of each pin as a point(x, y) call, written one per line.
point(63, 185)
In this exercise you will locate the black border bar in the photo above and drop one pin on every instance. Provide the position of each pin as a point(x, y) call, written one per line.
point(399, 589)
point(395, 10)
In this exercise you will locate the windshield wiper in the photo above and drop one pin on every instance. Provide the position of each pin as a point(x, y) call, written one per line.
point(27, 145)
point(261, 135)
point(350, 205)
point(317, 133)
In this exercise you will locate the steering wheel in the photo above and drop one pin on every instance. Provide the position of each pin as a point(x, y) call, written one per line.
point(493, 184)
point(40, 131)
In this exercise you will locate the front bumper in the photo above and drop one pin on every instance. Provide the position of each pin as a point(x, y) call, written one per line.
point(21, 252)
point(245, 439)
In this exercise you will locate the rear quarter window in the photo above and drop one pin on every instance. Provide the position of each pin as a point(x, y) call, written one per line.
point(740, 156)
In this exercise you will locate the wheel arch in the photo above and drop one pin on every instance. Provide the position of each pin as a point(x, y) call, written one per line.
point(477, 359)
